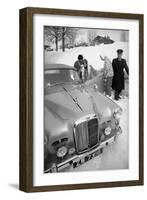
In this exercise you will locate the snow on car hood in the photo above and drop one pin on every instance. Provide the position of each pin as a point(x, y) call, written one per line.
point(70, 101)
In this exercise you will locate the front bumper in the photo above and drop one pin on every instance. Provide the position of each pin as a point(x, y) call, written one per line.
point(77, 160)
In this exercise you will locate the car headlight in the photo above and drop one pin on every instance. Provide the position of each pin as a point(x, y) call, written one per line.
point(62, 151)
point(107, 131)
point(71, 150)
point(117, 114)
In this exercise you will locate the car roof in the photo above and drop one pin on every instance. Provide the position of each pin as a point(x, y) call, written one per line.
point(58, 66)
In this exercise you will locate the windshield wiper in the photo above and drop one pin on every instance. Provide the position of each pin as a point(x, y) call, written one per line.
point(77, 82)
point(73, 99)
point(54, 84)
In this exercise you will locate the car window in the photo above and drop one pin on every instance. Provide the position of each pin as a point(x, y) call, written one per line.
point(52, 77)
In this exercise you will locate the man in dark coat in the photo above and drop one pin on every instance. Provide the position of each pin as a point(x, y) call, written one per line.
point(119, 65)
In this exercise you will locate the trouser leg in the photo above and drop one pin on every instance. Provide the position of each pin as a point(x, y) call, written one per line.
point(85, 74)
point(108, 86)
point(80, 75)
point(105, 85)
point(117, 93)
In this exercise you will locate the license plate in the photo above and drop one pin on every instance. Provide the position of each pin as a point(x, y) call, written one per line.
point(85, 159)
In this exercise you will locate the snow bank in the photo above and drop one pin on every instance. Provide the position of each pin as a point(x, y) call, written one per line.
point(91, 53)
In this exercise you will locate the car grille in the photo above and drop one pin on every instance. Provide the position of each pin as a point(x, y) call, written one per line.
point(86, 133)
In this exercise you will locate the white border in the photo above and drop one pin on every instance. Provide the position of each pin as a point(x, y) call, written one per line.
point(39, 178)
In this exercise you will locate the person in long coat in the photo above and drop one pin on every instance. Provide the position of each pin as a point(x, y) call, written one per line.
point(107, 75)
point(119, 65)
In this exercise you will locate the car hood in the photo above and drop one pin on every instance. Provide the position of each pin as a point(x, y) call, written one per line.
point(72, 101)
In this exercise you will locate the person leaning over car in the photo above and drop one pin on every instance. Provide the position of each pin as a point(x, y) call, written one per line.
point(81, 64)
point(119, 65)
point(85, 69)
point(108, 75)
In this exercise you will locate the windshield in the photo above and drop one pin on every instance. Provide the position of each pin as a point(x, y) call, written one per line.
point(57, 76)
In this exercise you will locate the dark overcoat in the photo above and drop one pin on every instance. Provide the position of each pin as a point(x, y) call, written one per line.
point(118, 69)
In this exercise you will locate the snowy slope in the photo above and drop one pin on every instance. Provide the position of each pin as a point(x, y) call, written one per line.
point(91, 53)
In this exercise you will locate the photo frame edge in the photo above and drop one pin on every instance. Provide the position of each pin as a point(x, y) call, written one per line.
point(26, 99)
point(141, 99)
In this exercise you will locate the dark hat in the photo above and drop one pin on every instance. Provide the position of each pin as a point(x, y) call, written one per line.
point(119, 51)
point(80, 57)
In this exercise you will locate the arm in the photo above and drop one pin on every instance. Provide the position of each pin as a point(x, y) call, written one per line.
point(76, 65)
point(113, 64)
point(126, 67)
point(85, 63)
point(102, 58)
point(105, 69)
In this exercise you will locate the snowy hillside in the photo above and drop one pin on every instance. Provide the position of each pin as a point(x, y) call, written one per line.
point(91, 53)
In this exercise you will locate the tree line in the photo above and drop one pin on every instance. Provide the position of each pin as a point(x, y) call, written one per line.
point(54, 34)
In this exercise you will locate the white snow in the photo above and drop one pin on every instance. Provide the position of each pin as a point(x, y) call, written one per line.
point(91, 53)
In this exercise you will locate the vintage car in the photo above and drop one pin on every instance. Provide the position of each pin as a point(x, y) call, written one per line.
point(79, 121)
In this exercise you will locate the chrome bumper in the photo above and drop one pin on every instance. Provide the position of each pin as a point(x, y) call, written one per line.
point(77, 160)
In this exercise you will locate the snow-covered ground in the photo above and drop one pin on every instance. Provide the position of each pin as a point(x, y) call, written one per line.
point(91, 53)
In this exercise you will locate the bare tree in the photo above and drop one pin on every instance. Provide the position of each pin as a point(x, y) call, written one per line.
point(124, 36)
point(64, 30)
point(71, 36)
point(53, 33)
point(68, 33)
point(91, 35)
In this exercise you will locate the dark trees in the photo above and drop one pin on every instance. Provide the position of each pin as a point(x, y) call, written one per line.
point(63, 34)
point(53, 33)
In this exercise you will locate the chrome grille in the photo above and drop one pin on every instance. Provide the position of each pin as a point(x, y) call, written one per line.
point(86, 133)
point(93, 132)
